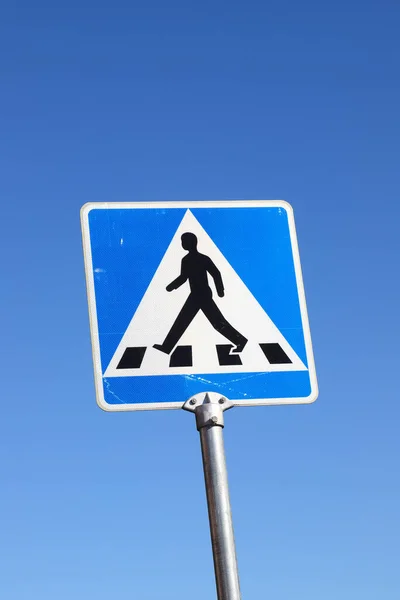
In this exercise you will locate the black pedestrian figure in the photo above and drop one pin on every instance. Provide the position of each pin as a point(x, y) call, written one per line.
point(194, 268)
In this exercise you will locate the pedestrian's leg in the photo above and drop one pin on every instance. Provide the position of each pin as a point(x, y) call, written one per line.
point(182, 322)
point(218, 321)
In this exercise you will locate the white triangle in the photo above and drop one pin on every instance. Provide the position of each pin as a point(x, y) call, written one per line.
point(158, 310)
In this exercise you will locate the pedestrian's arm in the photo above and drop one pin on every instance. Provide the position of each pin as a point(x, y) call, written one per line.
point(216, 275)
point(179, 280)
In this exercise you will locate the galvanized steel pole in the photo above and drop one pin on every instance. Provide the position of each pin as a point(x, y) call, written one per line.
point(209, 409)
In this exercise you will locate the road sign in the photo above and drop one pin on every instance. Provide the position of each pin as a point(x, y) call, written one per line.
point(191, 297)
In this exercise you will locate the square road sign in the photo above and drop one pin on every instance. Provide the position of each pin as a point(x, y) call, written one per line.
point(191, 297)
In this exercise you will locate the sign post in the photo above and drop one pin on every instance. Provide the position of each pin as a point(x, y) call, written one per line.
point(209, 411)
point(200, 306)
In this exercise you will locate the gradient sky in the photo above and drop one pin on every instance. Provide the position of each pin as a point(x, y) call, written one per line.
point(124, 101)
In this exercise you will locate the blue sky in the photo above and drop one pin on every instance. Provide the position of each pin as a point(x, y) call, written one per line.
point(148, 101)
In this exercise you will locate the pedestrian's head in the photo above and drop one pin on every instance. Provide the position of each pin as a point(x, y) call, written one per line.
point(189, 241)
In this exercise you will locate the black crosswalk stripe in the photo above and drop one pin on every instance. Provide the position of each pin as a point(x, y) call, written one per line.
point(226, 359)
point(181, 357)
point(132, 358)
point(275, 354)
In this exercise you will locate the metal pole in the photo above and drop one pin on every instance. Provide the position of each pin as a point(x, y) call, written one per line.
point(210, 422)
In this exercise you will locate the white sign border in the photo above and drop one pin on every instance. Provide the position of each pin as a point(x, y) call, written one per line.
point(98, 374)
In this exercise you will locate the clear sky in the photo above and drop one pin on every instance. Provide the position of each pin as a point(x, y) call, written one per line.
point(104, 101)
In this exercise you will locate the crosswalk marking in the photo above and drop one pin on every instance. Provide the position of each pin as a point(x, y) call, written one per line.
point(132, 358)
point(226, 359)
point(275, 354)
point(182, 356)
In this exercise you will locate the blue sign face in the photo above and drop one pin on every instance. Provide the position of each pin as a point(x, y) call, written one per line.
point(191, 297)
